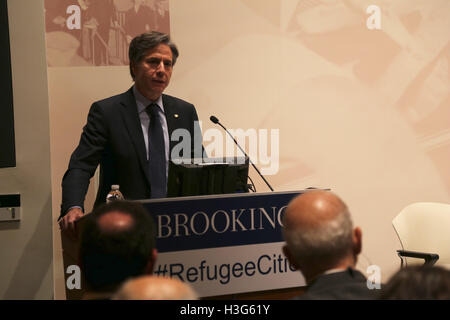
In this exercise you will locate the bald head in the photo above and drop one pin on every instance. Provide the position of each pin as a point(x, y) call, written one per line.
point(115, 221)
point(155, 288)
point(319, 233)
point(313, 209)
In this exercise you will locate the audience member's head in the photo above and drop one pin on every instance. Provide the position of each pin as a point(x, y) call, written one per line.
point(319, 234)
point(117, 243)
point(418, 282)
point(155, 288)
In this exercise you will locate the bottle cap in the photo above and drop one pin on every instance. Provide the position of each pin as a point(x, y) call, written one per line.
point(115, 187)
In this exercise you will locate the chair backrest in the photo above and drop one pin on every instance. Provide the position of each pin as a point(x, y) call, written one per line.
point(425, 227)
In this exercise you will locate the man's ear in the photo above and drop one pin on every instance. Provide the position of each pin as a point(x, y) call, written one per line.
point(290, 257)
point(151, 262)
point(133, 68)
point(357, 241)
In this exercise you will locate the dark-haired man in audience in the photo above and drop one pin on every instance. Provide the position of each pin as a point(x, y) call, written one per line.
point(418, 283)
point(324, 246)
point(117, 243)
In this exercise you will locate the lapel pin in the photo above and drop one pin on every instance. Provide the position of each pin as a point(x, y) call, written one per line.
point(176, 115)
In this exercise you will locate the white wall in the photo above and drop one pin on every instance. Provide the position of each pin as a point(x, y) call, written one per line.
point(26, 246)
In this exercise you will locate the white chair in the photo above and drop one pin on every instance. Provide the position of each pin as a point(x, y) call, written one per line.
point(423, 229)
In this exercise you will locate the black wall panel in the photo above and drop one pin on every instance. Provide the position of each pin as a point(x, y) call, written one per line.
point(7, 144)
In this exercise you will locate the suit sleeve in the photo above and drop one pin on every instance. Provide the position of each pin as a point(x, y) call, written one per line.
point(84, 160)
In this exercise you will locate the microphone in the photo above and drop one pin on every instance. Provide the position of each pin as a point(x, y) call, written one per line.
point(216, 121)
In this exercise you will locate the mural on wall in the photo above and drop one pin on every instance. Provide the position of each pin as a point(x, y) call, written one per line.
point(98, 32)
point(407, 61)
point(404, 63)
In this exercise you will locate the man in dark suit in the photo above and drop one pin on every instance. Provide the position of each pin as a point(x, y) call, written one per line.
point(324, 246)
point(131, 135)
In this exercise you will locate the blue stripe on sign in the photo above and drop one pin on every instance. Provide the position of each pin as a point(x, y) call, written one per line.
point(209, 222)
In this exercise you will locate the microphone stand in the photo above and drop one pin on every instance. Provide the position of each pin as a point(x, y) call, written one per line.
point(216, 121)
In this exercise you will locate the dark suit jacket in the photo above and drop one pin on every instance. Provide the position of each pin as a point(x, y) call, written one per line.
point(113, 138)
point(346, 285)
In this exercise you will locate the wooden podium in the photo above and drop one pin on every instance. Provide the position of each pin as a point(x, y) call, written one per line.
point(226, 246)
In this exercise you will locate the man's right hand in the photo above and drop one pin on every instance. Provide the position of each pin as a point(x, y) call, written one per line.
point(67, 223)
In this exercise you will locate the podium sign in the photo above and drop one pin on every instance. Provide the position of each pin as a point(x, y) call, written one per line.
point(224, 244)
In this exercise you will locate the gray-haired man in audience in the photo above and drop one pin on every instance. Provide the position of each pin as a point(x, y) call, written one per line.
point(324, 246)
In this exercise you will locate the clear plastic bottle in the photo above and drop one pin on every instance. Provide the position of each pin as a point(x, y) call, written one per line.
point(114, 194)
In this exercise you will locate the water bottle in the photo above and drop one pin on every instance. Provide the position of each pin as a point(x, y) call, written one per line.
point(114, 194)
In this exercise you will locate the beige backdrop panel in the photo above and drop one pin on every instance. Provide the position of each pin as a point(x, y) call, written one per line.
point(26, 246)
point(71, 92)
point(364, 112)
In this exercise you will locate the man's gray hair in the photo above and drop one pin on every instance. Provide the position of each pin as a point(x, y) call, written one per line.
point(323, 245)
point(144, 42)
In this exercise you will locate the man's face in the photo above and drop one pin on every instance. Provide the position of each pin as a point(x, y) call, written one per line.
point(152, 74)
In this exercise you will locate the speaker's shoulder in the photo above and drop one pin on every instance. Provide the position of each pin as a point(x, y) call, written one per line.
point(174, 101)
point(116, 101)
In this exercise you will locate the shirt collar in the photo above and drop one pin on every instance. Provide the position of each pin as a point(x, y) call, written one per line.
point(142, 101)
point(330, 271)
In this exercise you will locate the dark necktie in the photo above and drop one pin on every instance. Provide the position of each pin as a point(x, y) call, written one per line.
point(156, 153)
